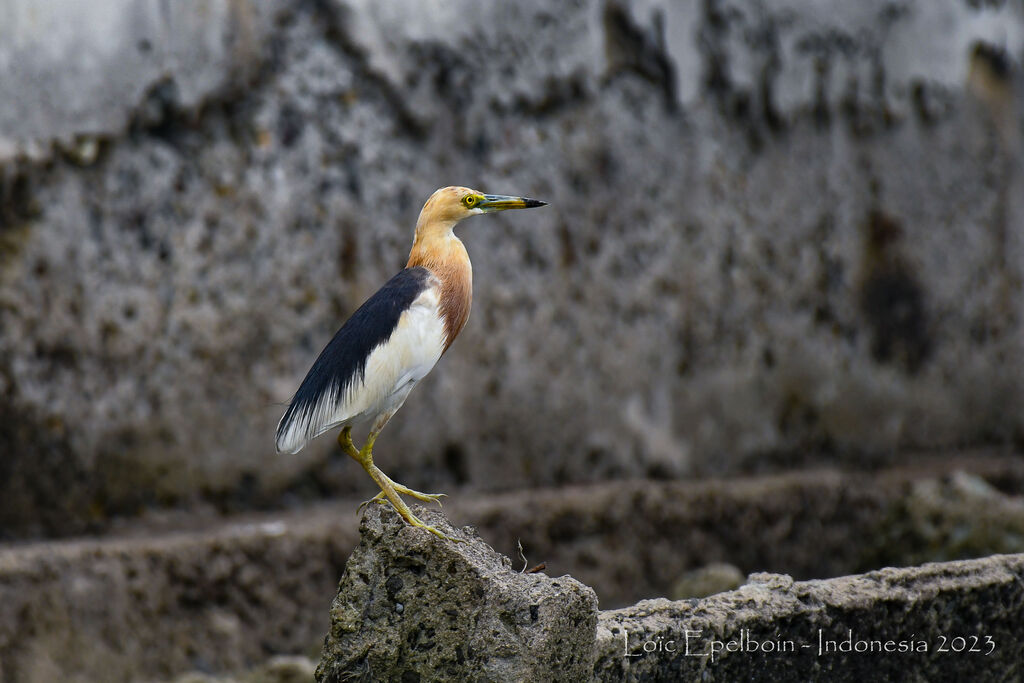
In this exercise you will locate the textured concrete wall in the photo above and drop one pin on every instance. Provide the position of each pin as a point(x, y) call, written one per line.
point(943, 621)
point(75, 70)
point(774, 228)
point(221, 596)
point(146, 609)
point(390, 621)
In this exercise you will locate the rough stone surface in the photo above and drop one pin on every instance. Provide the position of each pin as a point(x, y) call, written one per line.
point(77, 73)
point(161, 597)
point(149, 608)
point(413, 607)
point(632, 540)
point(920, 614)
point(775, 228)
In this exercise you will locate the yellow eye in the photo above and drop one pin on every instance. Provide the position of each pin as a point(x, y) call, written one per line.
point(469, 201)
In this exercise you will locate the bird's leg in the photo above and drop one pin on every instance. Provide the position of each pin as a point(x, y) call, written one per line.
point(388, 488)
point(345, 441)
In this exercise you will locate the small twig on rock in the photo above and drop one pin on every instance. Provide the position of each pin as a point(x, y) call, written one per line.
point(532, 570)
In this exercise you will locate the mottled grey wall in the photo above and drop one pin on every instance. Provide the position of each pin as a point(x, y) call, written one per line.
point(776, 229)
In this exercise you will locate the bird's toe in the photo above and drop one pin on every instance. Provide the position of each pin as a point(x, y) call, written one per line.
point(379, 498)
point(418, 495)
point(440, 534)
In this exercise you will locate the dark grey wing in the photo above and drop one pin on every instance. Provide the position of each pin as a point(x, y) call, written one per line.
point(342, 363)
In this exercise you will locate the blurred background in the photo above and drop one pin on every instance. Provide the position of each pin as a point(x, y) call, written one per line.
point(775, 299)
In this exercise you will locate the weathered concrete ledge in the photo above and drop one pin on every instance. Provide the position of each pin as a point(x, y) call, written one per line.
point(149, 607)
point(218, 595)
point(413, 607)
point(940, 621)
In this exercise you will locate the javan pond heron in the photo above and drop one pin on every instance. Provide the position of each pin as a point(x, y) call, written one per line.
point(363, 376)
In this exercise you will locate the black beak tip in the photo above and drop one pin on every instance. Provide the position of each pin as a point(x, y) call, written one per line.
point(531, 203)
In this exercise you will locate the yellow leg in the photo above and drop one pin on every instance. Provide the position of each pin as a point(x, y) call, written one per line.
point(388, 488)
point(345, 439)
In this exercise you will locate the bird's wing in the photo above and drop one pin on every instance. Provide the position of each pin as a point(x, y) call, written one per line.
point(379, 347)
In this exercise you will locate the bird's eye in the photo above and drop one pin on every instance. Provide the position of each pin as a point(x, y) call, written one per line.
point(469, 201)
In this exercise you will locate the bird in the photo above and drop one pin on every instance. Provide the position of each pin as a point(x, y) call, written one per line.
point(365, 373)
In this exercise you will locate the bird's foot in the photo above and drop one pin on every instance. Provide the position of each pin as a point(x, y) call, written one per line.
point(425, 497)
point(415, 521)
point(391, 492)
point(411, 519)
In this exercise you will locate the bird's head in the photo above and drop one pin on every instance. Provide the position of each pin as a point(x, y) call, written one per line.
point(449, 205)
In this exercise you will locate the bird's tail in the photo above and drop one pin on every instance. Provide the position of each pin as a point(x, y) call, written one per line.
point(290, 436)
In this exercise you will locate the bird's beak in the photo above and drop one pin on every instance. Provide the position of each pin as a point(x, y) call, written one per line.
point(500, 202)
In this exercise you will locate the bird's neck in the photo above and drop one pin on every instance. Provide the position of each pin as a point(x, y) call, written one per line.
point(444, 255)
